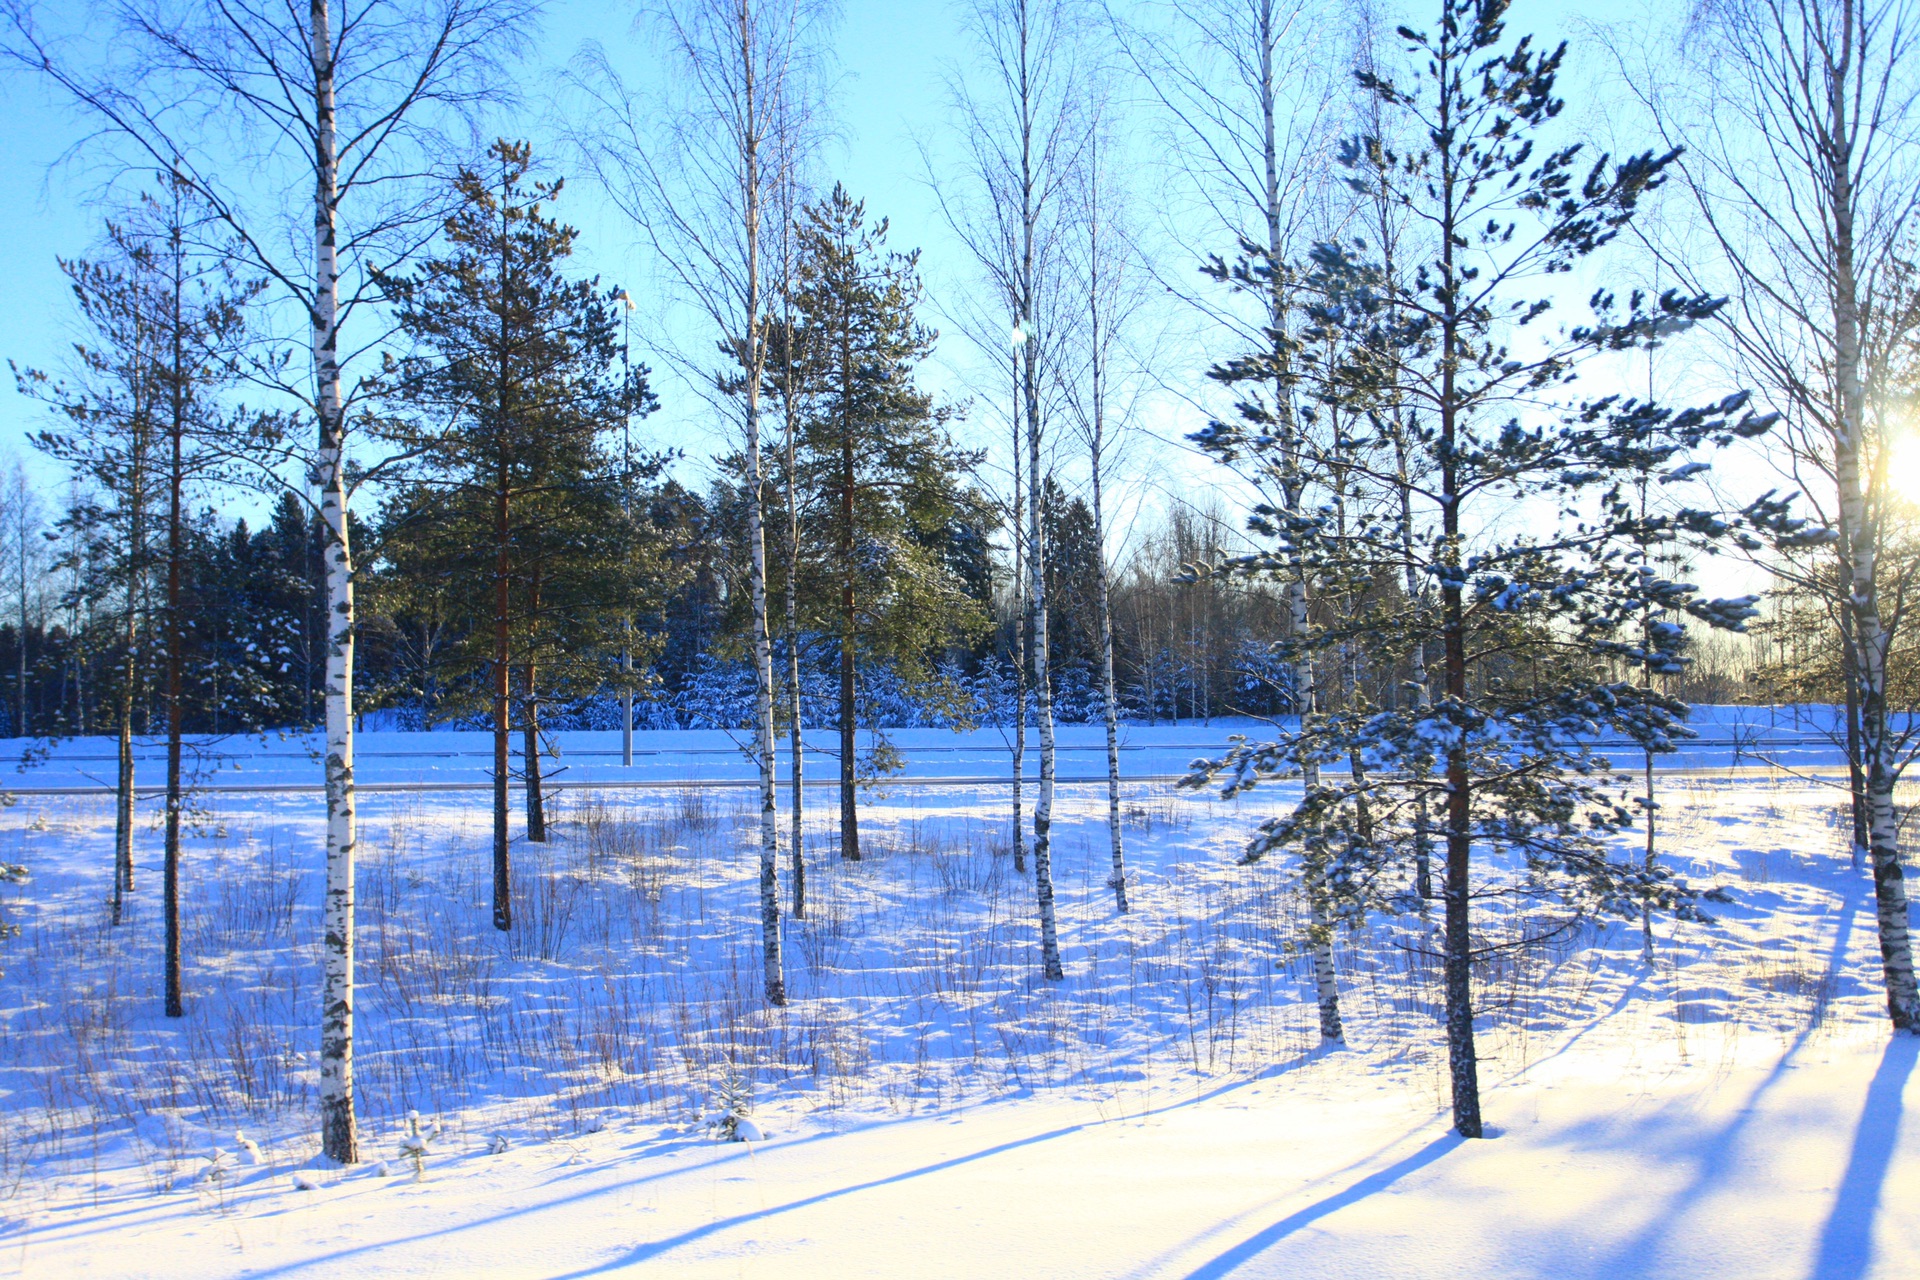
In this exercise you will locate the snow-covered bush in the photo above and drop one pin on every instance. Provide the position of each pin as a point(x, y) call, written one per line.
point(415, 1144)
point(730, 1120)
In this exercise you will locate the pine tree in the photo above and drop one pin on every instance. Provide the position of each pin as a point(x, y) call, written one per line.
point(167, 322)
point(111, 408)
point(525, 364)
point(1528, 620)
point(875, 466)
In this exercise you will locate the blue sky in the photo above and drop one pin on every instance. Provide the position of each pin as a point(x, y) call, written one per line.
point(896, 60)
point(892, 85)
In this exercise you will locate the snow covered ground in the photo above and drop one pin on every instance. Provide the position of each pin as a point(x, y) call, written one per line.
point(930, 1108)
point(1794, 737)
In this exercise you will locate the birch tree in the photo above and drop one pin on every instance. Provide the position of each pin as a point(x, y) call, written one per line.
point(701, 180)
point(1245, 99)
point(1798, 118)
point(257, 109)
point(1106, 280)
point(1022, 141)
point(791, 384)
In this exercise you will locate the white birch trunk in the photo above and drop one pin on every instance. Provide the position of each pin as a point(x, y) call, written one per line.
point(1020, 622)
point(338, 1138)
point(1029, 285)
point(1103, 588)
point(754, 351)
point(1050, 966)
point(1320, 923)
point(1099, 334)
point(1858, 514)
point(1870, 637)
point(776, 984)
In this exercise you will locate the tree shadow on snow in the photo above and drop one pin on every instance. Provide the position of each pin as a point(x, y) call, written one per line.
point(1846, 1242)
point(1264, 1239)
point(655, 1248)
point(1716, 1154)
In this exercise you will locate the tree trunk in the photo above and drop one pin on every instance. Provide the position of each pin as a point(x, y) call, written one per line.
point(796, 741)
point(1422, 815)
point(1050, 966)
point(1859, 522)
point(1850, 676)
point(1326, 983)
point(170, 887)
point(1647, 861)
point(1320, 923)
point(1417, 675)
point(1883, 835)
point(502, 708)
point(530, 737)
point(1103, 590)
point(849, 621)
point(123, 807)
point(530, 725)
point(130, 675)
point(772, 963)
point(338, 1137)
point(753, 341)
point(1020, 619)
point(1029, 288)
point(1463, 1064)
point(1350, 654)
point(22, 726)
point(626, 694)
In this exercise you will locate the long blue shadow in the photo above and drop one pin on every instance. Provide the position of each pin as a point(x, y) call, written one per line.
point(1267, 1237)
point(649, 1250)
point(655, 1248)
point(1846, 1242)
point(1715, 1160)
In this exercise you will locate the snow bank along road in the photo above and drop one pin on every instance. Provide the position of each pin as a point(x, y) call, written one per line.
point(1729, 738)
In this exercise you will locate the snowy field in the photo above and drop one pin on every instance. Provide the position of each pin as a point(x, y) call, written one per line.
point(1728, 737)
point(930, 1109)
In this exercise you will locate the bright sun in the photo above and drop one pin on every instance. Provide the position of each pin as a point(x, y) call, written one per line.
point(1903, 469)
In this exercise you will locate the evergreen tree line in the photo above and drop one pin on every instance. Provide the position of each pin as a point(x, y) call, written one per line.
point(253, 654)
point(249, 617)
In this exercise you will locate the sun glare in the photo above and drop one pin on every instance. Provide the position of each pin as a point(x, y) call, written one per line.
point(1903, 469)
